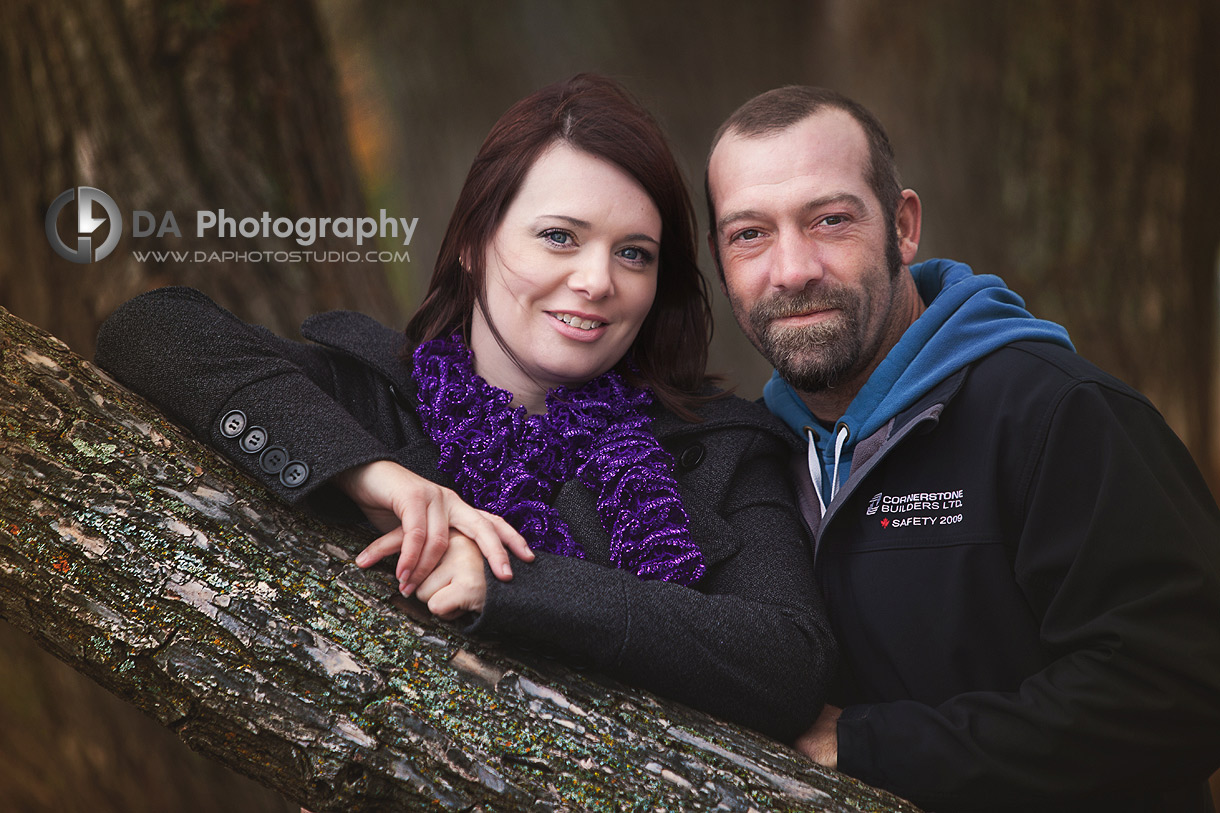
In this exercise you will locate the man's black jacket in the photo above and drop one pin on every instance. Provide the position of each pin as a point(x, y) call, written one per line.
point(1023, 572)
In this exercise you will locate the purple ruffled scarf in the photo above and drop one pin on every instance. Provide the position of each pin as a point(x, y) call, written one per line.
point(510, 463)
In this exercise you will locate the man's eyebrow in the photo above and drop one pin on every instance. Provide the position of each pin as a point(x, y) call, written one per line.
point(733, 217)
point(835, 198)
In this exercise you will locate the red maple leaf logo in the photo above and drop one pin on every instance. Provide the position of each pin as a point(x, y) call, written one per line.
point(885, 523)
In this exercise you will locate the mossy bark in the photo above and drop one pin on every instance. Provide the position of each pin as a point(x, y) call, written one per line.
point(142, 559)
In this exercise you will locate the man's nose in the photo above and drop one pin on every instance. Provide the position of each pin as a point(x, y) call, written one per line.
point(795, 262)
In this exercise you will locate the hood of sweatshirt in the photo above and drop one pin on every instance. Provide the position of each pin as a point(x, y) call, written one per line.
point(968, 316)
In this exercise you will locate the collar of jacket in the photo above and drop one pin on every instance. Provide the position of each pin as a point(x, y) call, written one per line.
point(922, 417)
point(364, 339)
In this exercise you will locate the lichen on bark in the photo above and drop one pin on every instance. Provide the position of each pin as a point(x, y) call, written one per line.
point(144, 560)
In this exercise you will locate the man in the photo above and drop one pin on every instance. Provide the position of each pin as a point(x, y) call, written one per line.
point(1020, 559)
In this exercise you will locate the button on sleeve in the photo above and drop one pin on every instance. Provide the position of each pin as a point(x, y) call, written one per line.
point(294, 474)
point(273, 459)
point(233, 423)
point(254, 440)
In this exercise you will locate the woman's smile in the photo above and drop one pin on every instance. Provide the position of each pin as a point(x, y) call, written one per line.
point(571, 276)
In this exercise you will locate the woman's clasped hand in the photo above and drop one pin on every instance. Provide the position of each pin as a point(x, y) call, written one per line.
point(420, 521)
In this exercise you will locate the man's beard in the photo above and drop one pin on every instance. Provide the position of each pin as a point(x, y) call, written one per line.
point(822, 355)
point(811, 357)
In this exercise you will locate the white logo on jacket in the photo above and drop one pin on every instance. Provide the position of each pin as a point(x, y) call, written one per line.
point(918, 508)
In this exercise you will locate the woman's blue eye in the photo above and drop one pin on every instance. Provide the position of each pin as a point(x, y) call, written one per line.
point(635, 254)
point(561, 238)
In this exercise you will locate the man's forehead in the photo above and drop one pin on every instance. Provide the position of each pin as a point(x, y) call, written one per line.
point(829, 144)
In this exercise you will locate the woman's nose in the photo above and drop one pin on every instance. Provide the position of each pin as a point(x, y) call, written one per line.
point(592, 275)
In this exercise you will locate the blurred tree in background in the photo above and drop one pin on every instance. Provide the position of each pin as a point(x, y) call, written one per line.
point(167, 106)
point(174, 106)
point(1067, 146)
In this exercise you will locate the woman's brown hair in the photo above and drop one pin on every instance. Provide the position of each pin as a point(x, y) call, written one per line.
point(596, 115)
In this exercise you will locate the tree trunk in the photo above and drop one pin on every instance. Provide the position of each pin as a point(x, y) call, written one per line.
point(166, 106)
point(176, 107)
point(142, 559)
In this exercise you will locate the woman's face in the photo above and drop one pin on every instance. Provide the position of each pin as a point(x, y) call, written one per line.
point(571, 274)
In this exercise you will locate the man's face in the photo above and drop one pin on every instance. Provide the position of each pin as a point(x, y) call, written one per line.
point(802, 242)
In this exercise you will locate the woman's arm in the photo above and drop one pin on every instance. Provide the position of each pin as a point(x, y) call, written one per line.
point(750, 643)
point(293, 416)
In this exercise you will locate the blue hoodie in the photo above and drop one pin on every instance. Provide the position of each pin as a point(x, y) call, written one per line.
point(968, 316)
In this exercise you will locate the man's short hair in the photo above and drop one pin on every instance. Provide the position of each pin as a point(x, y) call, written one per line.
point(777, 110)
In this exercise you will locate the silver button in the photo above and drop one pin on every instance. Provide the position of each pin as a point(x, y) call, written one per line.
point(254, 440)
point(294, 474)
point(233, 423)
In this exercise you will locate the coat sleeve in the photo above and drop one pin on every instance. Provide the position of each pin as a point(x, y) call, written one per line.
point(749, 643)
point(1119, 556)
point(269, 404)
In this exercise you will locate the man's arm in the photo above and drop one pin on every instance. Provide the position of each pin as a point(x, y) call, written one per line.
point(821, 742)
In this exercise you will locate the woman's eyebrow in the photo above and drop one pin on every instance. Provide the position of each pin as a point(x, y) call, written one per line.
point(584, 224)
point(573, 221)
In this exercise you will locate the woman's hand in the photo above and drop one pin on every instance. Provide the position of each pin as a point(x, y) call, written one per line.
point(418, 516)
point(457, 585)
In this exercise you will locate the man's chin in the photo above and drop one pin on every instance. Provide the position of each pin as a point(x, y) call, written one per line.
point(791, 343)
point(809, 364)
point(806, 380)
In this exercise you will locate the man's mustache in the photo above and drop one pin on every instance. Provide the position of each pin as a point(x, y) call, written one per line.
point(801, 303)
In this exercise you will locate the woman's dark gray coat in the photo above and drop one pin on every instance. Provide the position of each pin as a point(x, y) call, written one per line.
point(749, 643)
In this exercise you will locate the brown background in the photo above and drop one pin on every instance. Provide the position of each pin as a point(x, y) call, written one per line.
point(1069, 147)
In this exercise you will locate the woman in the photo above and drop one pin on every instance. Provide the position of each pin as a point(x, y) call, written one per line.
point(554, 376)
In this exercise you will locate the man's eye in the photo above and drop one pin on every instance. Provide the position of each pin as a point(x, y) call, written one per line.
point(833, 220)
point(748, 234)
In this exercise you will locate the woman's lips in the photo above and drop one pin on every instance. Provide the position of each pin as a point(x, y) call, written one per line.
point(579, 320)
point(583, 327)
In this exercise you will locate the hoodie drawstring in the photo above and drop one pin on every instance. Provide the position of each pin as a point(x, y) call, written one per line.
point(815, 465)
